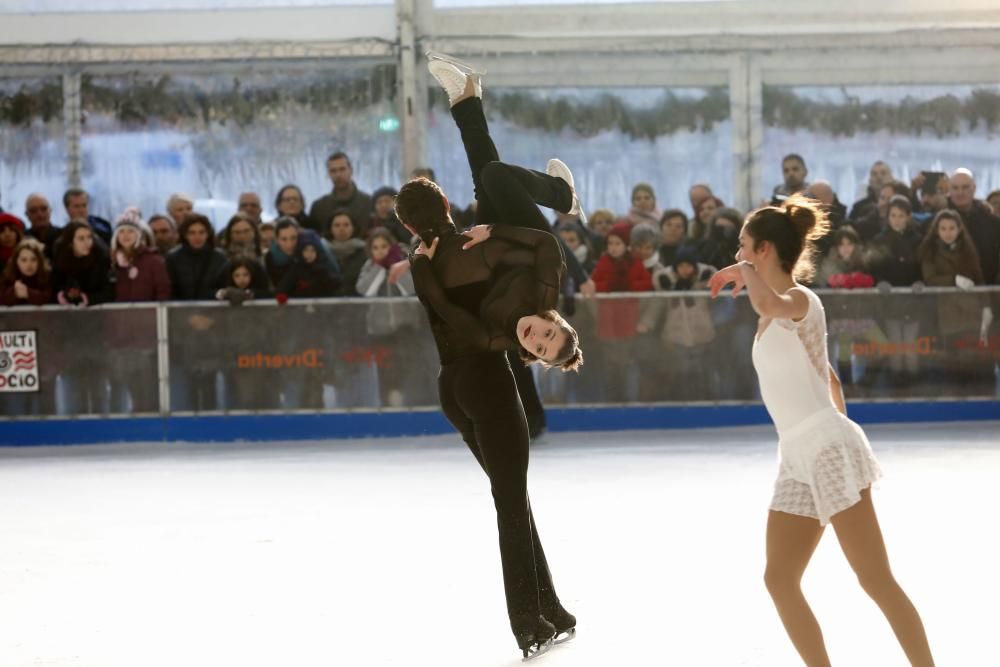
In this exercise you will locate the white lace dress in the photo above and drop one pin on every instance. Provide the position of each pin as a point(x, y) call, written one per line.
point(825, 458)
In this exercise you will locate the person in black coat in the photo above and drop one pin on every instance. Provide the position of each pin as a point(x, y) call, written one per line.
point(384, 215)
point(197, 271)
point(895, 262)
point(196, 265)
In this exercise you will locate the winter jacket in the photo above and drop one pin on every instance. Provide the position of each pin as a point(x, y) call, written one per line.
point(957, 313)
point(196, 275)
point(304, 280)
point(384, 319)
point(144, 278)
point(688, 319)
point(984, 230)
point(894, 257)
point(618, 318)
point(38, 294)
point(352, 256)
point(89, 276)
point(358, 203)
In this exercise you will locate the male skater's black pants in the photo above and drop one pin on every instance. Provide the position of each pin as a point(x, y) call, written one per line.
point(479, 398)
point(478, 393)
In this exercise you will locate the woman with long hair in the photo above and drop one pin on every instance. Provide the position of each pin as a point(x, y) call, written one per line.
point(827, 465)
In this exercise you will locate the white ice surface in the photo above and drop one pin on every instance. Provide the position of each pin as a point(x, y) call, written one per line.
point(383, 552)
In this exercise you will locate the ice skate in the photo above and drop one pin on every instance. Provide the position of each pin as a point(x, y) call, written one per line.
point(452, 75)
point(558, 168)
point(534, 638)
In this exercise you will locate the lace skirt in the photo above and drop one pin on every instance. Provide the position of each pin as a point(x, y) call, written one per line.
point(825, 463)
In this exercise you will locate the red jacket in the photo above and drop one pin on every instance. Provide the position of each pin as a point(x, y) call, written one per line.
point(617, 318)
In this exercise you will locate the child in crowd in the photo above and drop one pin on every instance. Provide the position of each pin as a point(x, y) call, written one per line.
point(673, 234)
point(385, 321)
point(850, 316)
point(618, 270)
point(687, 331)
point(26, 279)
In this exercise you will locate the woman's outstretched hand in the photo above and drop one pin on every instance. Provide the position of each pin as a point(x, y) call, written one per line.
point(423, 250)
point(477, 235)
point(730, 274)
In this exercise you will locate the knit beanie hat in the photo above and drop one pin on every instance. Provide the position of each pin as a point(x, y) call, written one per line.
point(622, 230)
point(385, 191)
point(132, 217)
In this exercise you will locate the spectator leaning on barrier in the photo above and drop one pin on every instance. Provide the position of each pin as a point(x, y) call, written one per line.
point(982, 226)
point(313, 273)
point(345, 195)
point(688, 329)
point(949, 258)
point(11, 234)
point(77, 204)
point(895, 262)
point(27, 278)
point(80, 276)
point(164, 232)
point(196, 266)
point(138, 271)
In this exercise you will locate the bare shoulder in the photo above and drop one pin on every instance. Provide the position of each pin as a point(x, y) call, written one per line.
point(801, 300)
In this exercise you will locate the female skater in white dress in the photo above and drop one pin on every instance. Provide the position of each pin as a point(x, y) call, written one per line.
point(827, 466)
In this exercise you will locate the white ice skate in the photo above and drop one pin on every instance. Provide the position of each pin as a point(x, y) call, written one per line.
point(451, 74)
point(558, 168)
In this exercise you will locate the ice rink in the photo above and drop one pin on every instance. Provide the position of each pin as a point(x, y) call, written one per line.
point(384, 552)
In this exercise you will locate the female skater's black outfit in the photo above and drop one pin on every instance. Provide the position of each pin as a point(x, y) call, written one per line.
point(516, 272)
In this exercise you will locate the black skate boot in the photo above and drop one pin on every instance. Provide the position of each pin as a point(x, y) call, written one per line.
point(564, 622)
point(534, 636)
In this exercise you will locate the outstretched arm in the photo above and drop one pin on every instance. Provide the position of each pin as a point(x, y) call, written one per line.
point(456, 318)
point(792, 305)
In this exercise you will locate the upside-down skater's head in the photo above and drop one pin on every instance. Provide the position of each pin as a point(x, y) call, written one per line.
point(784, 236)
point(424, 209)
point(550, 340)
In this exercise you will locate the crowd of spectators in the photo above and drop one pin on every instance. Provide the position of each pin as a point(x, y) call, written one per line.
point(348, 243)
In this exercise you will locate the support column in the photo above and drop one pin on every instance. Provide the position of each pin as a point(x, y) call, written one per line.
point(413, 104)
point(746, 108)
point(72, 121)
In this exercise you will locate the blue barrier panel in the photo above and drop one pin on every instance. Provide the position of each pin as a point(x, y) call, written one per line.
point(234, 428)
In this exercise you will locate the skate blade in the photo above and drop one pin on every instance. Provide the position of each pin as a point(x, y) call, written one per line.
point(462, 65)
point(536, 650)
point(563, 637)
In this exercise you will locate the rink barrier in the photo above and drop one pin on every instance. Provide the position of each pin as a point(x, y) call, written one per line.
point(352, 425)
